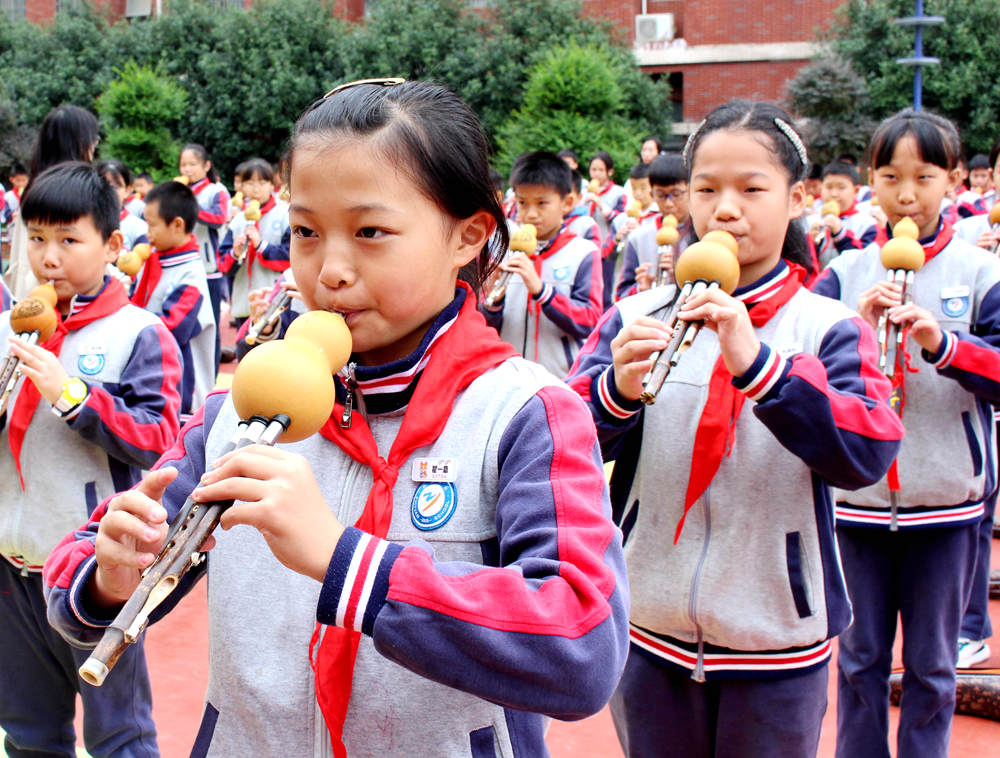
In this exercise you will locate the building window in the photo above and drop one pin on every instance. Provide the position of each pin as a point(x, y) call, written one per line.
point(14, 9)
point(228, 3)
point(67, 5)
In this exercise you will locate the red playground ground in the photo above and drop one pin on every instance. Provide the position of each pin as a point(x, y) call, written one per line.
point(178, 660)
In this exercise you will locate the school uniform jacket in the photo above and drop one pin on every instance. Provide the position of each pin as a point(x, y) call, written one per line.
point(133, 228)
point(947, 464)
point(583, 225)
point(610, 243)
point(263, 265)
point(131, 366)
point(179, 297)
point(11, 204)
point(136, 206)
point(857, 230)
point(753, 586)
point(971, 203)
point(613, 196)
point(213, 204)
point(458, 657)
point(550, 327)
point(641, 247)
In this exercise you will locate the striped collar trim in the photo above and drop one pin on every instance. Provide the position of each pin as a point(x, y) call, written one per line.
point(388, 388)
point(765, 287)
point(80, 302)
point(177, 259)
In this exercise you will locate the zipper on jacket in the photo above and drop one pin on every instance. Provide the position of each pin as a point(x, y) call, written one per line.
point(699, 668)
point(350, 388)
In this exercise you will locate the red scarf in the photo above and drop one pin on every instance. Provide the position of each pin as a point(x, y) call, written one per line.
point(111, 299)
point(717, 426)
point(468, 349)
point(897, 396)
point(252, 248)
point(152, 270)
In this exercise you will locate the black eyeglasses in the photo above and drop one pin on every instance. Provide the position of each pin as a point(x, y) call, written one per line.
point(388, 82)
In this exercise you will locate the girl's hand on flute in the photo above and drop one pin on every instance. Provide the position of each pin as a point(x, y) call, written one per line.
point(280, 498)
point(924, 328)
point(643, 277)
point(873, 301)
point(728, 318)
point(130, 535)
point(631, 351)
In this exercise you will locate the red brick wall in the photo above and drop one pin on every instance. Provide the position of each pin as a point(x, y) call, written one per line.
point(718, 22)
point(40, 11)
point(711, 84)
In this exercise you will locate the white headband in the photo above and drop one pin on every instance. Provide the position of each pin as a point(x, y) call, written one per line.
point(785, 128)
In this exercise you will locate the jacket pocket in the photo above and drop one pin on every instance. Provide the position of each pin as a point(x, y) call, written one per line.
point(796, 578)
point(970, 435)
point(205, 731)
point(481, 743)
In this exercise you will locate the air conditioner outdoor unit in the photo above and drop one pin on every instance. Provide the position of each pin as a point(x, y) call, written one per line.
point(654, 27)
point(135, 8)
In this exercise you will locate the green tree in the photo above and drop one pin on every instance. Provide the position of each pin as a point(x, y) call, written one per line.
point(832, 99)
point(139, 111)
point(965, 87)
point(249, 73)
point(572, 99)
point(487, 54)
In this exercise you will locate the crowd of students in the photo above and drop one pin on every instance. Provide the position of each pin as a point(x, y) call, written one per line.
point(766, 503)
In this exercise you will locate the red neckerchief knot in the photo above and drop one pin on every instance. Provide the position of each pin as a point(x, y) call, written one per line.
point(716, 432)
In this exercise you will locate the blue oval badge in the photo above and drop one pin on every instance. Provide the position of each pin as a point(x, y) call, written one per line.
point(561, 273)
point(955, 306)
point(433, 504)
point(91, 362)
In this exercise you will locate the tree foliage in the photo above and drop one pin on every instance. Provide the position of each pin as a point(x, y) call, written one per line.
point(832, 100)
point(965, 87)
point(140, 110)
point(571, 99)
point(250, 73)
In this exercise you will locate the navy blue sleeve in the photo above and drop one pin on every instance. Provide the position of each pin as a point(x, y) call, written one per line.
point(831, 409)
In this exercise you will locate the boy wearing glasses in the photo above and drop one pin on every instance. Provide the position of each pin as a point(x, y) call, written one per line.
point(643, 257)
point(254, 252)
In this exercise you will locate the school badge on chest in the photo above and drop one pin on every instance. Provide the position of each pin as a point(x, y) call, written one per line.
point(433, 504)
point(561, 272)
point(91, 360)
point(955, 301)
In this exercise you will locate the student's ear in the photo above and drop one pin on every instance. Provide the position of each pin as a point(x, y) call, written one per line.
point(955, 176)
point(871, 176)
point(567, 204)
point(177, 224)
point(797, 200)
point(472, 234)
point(114, 246)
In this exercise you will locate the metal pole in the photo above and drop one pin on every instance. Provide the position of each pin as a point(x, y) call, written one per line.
point(918, 61)
point(918, 52)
